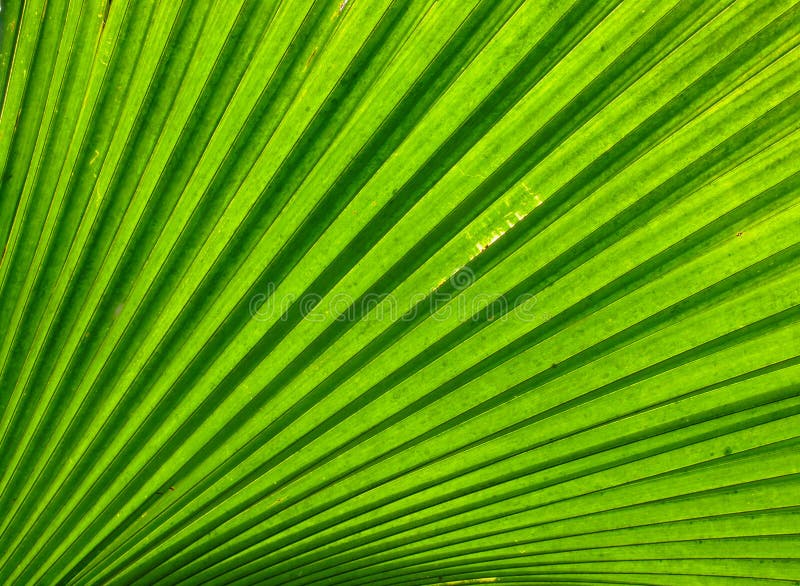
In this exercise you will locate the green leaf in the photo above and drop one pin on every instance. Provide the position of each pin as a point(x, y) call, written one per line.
point(400, 292)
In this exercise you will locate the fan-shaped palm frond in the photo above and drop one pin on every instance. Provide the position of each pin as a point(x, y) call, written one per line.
point(400, 292)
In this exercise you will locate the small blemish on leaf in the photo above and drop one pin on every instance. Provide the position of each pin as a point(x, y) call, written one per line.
point(310, 57)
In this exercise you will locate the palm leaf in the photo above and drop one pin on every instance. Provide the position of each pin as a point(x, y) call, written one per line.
point(400, 292)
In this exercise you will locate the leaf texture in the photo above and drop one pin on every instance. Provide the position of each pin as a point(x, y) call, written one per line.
point(400, 292)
